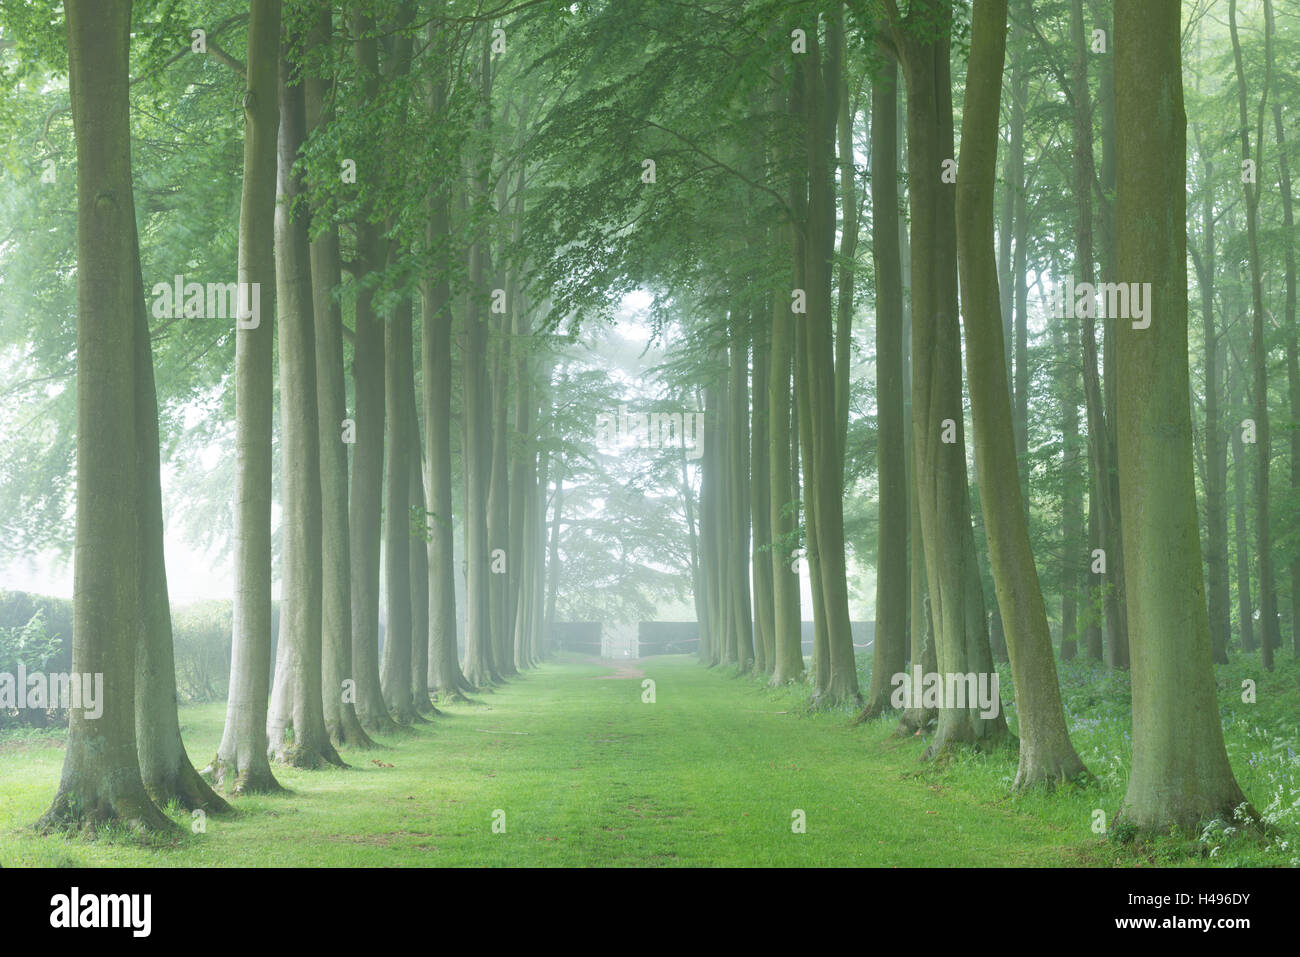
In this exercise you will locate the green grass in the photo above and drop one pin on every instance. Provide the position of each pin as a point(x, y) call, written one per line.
point(709, 774)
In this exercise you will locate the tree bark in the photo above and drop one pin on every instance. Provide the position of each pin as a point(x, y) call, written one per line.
point(331, 392)
point(101, 782)
point(368, 372)
point(787, 642)
point(242, 762)
point(395, 663)
point(1245, 603)
point(760, 482)
point(1216, 511)
point(922, 42)
point(1180, 775)
point(1269, 637)
point(889, 653)
point(1289, 326)
point(480, 666)
point(445, 677)
point(300, 480)
point(837, 679)
point(1046, 754)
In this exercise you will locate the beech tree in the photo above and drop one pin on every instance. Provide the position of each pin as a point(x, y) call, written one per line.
point(101, 781)
point(1046, 754)
point(920, 41)
point(297, 700)
point(1181, 774)
point(241, 762)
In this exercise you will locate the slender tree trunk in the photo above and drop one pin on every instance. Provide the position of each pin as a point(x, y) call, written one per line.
point(889, 653)
point(1216, 512)
point(1117, 620)
point(1046, 754)
point(738, 545)
point(300, 480)
point(941, 480)
point(1102, 532)
point(1020, 261)
point(242, 762)
point(837, 674)
point(502, 559)
point(1269, 638)
point(760, 483)
point(331, 385)
point(366, 504)
point(420, 640)
point(849, 228)
point(165, 766)
point(722, 515)
point(553, 552)
point(1013, 174)
point(920, 623)
point(395, 663)
point(1072, 504)
point(787, 664)
point(445, 676)
point(480, 666)
point(1289, 326)
point(1245, 605)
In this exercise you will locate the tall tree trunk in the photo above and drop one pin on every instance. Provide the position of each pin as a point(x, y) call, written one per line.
point(300, 480)
point(420, 640)
point(1269, 638)
point(1020, 260)
point(331, 388)
point(1072, 536)
point(395, 662)
point(787, 664)
point(920, 623)
point(1180, 776)
point(1013, 175)
point(101, 781)
point(369, 373)
point(760, 483)
point(553, 552)
point(1216, 511)
point(849, 227)
point(1117, 620)
point(523, 487)
point(1046, 754)
point(837, 675)
point(242, 756)
point(480, 666)
point(1289, 326)
point(1245, 606)
point(522, 452)
point(445, 677)
point(889, 653)
point(165, 766)
point(502, 559)
point(1103, 536)
point(722, 516)
point(738, 545)
point(922, 40)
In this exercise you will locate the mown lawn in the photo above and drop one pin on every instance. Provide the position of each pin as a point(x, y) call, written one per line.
point(586, 773)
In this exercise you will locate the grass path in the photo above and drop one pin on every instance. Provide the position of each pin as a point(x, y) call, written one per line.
point(586, 773)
